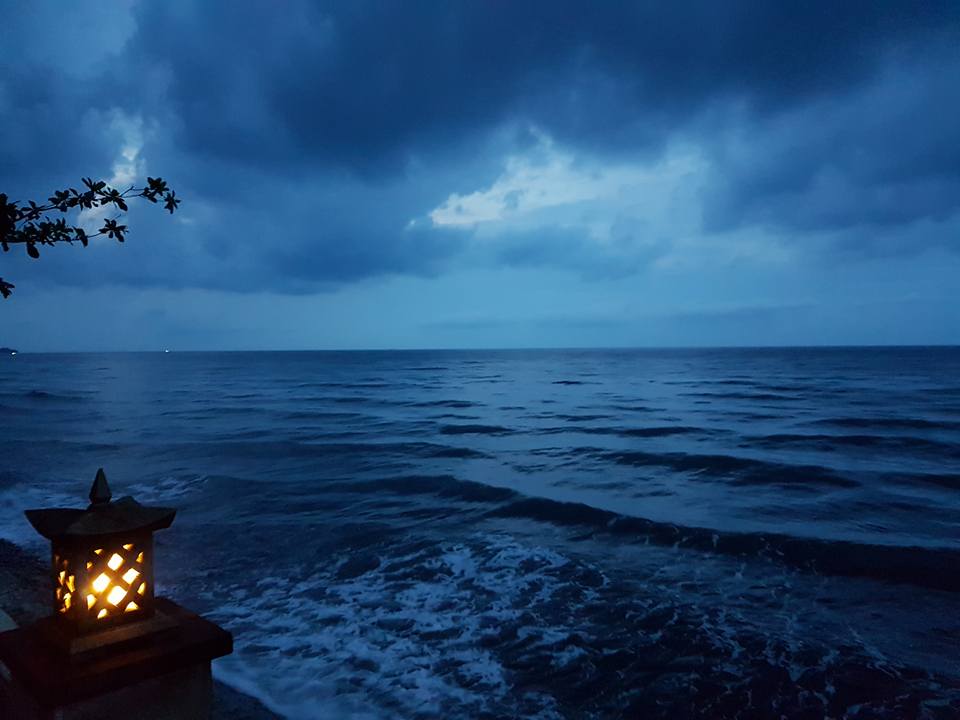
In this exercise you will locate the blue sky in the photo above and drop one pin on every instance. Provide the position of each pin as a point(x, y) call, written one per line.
point(490, 174)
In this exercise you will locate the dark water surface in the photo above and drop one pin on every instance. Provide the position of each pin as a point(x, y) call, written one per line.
point(554, 534)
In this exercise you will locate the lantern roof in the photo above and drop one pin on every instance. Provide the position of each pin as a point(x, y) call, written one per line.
point(102, 517)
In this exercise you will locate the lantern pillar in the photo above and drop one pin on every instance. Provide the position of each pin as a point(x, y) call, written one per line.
point(165, 676)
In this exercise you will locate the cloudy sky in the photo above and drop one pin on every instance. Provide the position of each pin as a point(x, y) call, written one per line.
point(490, 173)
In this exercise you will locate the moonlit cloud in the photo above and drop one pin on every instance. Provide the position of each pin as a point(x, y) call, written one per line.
point(129, 167)
point(543, 178)
point(547, 178)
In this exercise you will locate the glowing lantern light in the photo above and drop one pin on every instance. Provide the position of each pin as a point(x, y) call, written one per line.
point(102, 559)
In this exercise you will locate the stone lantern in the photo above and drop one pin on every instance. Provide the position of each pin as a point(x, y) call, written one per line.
point(102, 566)
point(110, 648)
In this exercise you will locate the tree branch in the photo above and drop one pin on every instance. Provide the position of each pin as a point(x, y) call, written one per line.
point(31, 224)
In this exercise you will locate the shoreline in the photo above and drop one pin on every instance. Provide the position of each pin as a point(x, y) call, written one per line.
point(24, 595)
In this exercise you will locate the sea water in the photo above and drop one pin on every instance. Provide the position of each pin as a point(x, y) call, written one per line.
point(537, 534)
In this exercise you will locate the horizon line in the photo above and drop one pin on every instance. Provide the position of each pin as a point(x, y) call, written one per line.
point(558, 348)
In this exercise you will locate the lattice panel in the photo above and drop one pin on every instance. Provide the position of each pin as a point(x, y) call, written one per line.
point(66, 584)
point(103, 584)
point(116, 581)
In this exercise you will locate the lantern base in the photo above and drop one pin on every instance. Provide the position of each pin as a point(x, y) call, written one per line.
point(67, 640)
point(166, 675)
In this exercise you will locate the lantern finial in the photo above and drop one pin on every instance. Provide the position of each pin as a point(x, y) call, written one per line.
point(100, 490)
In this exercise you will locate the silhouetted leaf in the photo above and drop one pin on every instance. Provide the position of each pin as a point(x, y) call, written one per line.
point(157, 185)
point(94, 186)
point(170, 202)
point(112, 230)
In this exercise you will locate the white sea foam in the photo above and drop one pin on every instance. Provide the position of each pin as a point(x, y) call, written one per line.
point(24, 496)
point(167, 489)
point(379, 645)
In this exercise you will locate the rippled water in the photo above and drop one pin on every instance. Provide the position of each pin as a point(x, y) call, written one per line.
point(698, 533)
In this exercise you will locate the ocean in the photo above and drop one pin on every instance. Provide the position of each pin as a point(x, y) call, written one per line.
point(749, 533)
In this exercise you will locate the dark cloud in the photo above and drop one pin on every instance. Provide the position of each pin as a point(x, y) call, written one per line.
point(310, 134)
point(299, 237)
point(49, 130)
point(367, 83)
point(883, 155)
